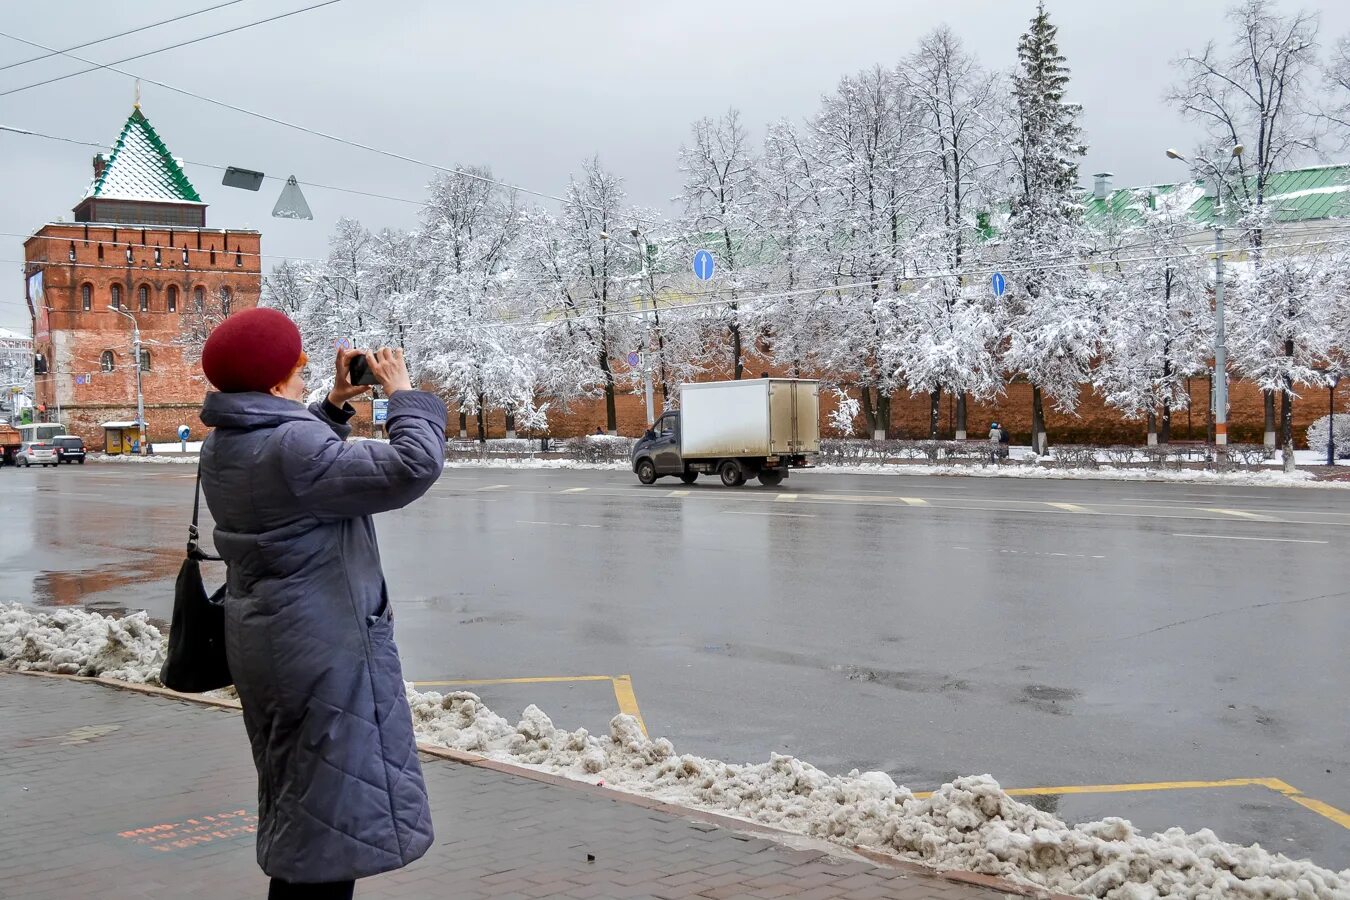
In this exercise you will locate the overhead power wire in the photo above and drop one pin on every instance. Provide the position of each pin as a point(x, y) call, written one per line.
point(120, 34)
point(112, 67)
point(197, 40)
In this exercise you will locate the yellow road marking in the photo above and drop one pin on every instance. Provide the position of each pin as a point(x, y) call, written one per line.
point(628, 705)
point(575, 490)
point(1068, 507)
point(1240, 513)
point(787, 497)
point(678, 494)
point(913, 501)
point(1325, 810)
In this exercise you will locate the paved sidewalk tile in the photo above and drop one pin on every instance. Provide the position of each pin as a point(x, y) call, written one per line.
point(110, 794)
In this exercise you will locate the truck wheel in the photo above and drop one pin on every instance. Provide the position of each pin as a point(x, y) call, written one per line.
point(646, 472)
point(689, 477)
point(770, 477)
point(731, 473)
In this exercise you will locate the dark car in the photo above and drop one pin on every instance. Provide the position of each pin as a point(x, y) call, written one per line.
point(69, 448)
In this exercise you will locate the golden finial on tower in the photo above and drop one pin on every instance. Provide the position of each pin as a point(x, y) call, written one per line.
point(138, 94)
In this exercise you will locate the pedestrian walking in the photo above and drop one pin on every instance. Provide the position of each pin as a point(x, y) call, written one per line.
point(995, 440)
point(308, 622)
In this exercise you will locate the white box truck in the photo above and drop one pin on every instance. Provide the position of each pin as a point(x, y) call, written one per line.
point(760, 428)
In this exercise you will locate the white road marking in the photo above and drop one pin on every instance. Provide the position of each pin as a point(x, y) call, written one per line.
point(556, 524)
point(678, 494)
point(913, 501)
point(494, 487)
point(787, 497)
point(574, 490)
point(1240, 513)
point(746, 512)
point(1069, 507)
point(1234, 537)
point(1049, 553)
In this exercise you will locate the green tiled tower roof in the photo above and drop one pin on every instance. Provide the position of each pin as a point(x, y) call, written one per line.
point(141, 168)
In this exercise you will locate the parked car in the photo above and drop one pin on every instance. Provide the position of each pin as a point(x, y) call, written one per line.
point(42, 453)
point(69, 448)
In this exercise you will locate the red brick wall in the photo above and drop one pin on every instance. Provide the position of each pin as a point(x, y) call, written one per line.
point(173, 389)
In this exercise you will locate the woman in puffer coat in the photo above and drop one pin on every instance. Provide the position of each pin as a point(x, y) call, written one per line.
point(308, 623)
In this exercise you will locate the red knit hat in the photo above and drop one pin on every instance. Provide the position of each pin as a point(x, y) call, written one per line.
point(252, 350)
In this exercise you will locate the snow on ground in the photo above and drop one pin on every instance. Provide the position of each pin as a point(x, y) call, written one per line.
point(969, 824)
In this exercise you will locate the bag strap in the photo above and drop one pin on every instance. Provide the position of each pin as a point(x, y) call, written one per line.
point(194, 550)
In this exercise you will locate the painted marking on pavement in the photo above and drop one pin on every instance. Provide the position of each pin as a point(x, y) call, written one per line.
point(557, 524)
point(678, 494)
point(1234, 537)
point(574, 490)
point(788, 497)
point(627, 700)
point(913, 501)
point(1240, 513)
point(1046, 553)
point(1068, 507)
point(170, 836)
point(494, 487)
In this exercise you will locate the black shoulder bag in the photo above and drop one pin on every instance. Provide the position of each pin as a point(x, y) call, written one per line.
point(195, 661)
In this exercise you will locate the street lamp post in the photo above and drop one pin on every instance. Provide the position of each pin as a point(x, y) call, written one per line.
point(646, 320)
point(136, 352)
point(1220, 344)
point(1332, 381)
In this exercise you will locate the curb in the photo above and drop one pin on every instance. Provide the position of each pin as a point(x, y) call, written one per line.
point(729, 823)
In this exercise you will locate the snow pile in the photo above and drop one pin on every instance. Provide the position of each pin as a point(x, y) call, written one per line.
point(969, 824)
point(177, 459)
point(74, 642)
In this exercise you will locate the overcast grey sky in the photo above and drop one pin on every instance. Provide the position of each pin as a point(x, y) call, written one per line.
point(530, 88)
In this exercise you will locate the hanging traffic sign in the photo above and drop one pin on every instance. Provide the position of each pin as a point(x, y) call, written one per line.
point(1000, 284)
point(291, 204)
point(704, 265)
point(634, 359)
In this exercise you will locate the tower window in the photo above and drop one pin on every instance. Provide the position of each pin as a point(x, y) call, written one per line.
point(172, 296)
point(105, 361)
point(72, 251)
point(87, 296)
point(225, 301)
point(199, 298)
point(130, 258)
point(238, 257)
point(115, 294)
point(100, 250)
point(145, 360)
point(143, 298)
point(159, 259)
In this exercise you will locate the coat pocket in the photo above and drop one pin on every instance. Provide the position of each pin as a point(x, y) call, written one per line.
point(383, 617)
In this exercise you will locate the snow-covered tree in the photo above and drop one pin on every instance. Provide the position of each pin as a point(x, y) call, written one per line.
point(1282, 331)
point(962, 155)
point(586, 285)
point(719, 201)
point(864, 145)
point(1158, 324)
point(1254, 93)
point(1052, 325)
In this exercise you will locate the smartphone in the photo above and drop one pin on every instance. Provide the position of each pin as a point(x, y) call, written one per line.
point(358, 371)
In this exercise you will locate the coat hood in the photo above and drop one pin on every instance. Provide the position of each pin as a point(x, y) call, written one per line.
point(251, 410)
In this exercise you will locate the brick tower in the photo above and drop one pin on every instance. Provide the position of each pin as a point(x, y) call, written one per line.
point(139, 244)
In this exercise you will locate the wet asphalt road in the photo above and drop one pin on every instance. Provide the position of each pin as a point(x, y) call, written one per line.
point(1051, 633)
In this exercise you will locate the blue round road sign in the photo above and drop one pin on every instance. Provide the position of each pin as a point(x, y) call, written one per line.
point(634, 359)
point(1000, 284)
point(704, 265)
point(184, 432)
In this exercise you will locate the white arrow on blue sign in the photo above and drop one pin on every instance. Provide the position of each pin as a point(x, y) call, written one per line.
point(704, 265)
point(1000, 284)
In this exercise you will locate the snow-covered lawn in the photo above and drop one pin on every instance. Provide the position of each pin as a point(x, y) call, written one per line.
point(969, 824)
